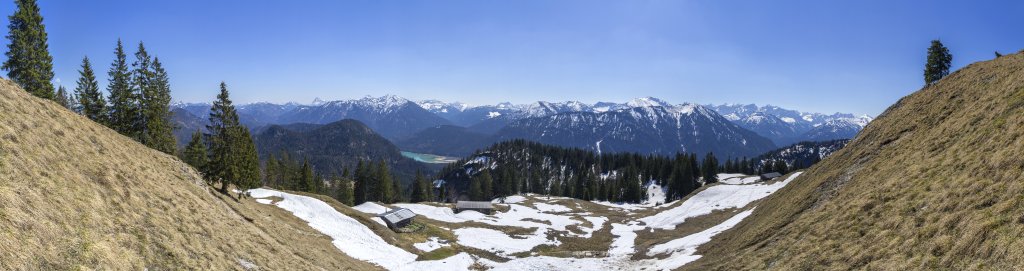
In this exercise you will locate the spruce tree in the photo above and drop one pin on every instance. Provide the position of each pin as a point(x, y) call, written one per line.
point(90, 100)
point(65, 99)
point(384, 184)
point(270, 168)
point(233, 158)
point(938, 63)
point(418, 189)
point(344, 191)
point(556, 189)
point(475, 189)
point(486, 185)
point(709, 170)
point(159, 131)
point(124, 101)
point(246, 159)
point(195, 153)
point(305, 183)
point(29, 63)
point(359, 188)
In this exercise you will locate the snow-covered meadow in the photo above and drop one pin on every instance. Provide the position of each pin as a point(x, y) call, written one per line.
point(527, 222)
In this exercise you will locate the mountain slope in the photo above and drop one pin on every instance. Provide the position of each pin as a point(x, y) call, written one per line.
point(391, 116)
point(76, 195)
point(785, 126)
point(770, 126)
point(650, 129)
point(932, 183)
point(334, 146)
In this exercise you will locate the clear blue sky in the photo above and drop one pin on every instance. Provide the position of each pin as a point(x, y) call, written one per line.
point(821, 56)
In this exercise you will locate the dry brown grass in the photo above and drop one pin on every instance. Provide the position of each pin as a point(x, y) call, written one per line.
point(76, 195)
point(935, 183)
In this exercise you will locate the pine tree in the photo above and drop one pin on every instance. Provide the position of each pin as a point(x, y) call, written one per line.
point(535, 182)
point(486, 185)
point(195, 153)
point(556, 189)
point(124, 101)
point(475, 189)
point(61, 97)
point(305, 183)
point(90, 100)
point(359, 188)
point(709, 170)
point(938, 63)
point(159, 131)
point(246, 159)
point(29, 63)
point(344, 192)
point(384, 185)
point(419, 188)
point(270, 169)
point(233, 158)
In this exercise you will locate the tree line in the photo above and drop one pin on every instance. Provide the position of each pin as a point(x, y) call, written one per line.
point(140, 93)
point(370, 181)
point(520, 166)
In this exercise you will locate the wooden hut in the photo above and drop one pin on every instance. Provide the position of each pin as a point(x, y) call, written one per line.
point(770, 175)
point(397, 218)
point(483, 207)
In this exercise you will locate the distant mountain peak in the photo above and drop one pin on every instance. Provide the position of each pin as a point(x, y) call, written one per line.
point(648, 102)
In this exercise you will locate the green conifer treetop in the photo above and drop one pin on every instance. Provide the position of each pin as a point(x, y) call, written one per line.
point(90, 100)
point(124, 102)
point(195, 153)
point(29, 63)
point(64, 99)
point(938, 63)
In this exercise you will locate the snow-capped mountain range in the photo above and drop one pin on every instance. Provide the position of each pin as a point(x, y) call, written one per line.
point(647, 124)
point(785, 126)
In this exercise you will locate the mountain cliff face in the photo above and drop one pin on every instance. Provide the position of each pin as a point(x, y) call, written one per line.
point(76, 195)
point(649, 129)
point(933, 183)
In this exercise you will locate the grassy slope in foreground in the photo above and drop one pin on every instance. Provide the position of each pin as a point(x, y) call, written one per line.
point(934, 182)
point(74, 194)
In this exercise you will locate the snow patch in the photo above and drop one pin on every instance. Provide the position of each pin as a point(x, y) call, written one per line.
point(432, 243)
point(354, 238)
point(501, 243)
point(718, 197)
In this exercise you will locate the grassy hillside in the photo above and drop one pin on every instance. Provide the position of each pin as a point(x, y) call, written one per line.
point(76, 195)
point(935, 182)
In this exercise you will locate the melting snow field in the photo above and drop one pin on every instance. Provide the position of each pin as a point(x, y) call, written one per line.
point(354, 238)
point(546, 218)
point(431, 244)
point(718, 197)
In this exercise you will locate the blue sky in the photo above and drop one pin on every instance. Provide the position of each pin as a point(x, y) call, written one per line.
point(819, 56)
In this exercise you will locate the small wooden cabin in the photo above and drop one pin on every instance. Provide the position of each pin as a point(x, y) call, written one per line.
point(770, 175)
point(397, 218)
point(483, 207)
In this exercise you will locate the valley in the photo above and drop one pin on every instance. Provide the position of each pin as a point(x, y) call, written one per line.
point(536, 231)
point(511, 135)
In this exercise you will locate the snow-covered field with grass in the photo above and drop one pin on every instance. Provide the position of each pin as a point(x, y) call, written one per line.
point(523, 224)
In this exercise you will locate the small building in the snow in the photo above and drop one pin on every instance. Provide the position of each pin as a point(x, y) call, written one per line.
point(483, 207)
point(397, 218)
point(770, 175)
